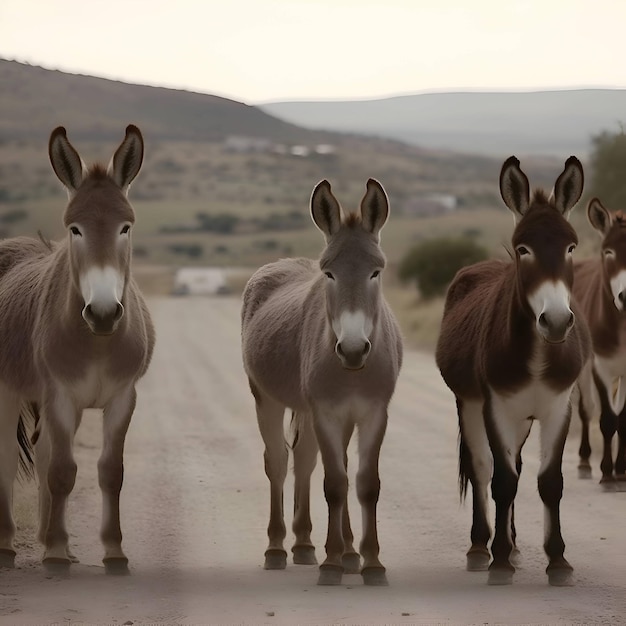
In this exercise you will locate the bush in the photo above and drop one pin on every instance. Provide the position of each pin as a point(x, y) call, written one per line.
point(608, 163)
point(433, 263)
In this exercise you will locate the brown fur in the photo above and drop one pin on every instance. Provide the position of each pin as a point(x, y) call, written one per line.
point(496, 353)
point(607, 325)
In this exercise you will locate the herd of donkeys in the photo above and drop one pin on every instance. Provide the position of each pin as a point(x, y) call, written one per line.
point(519, 340)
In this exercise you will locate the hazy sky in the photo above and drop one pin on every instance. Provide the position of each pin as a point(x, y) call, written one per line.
point(259, 50)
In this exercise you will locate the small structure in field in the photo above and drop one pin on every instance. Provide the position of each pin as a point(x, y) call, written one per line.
point(200, 281)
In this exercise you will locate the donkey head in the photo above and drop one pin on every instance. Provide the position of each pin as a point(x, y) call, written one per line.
point(612, 227)
point(352, 264)
point(544, 241)
point(99, 219)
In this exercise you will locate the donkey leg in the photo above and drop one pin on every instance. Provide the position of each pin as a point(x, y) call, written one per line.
point(550, 482)
point(608, 426)
point(351, 559)
point(515, 556)
point(507, 434)
point(620, 458)
point(9, 416)
point(371, 434)
point(115, 422)
point(305, 451)
point(586, 410)
point(584, 451)
point(476, 463)
point(42, 463)
point(329, 436)
point(270, 416)
point(62, 418)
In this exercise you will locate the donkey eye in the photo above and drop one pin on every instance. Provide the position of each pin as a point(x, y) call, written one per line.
point(609, 253)
point(125, 229)
point(522, 250)
point(329, 275)
point(375, 274)
point(75, 231)
point(571, 248)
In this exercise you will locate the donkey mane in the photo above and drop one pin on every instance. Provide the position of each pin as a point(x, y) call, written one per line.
point(353, 220)
point(540, 196)
point(98, 171)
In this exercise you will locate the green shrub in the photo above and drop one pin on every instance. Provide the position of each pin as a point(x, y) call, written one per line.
point(433, 263)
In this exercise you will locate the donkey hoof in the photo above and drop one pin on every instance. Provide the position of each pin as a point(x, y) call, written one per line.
point(375, 576)
point(351, 562)
point(330, 575)
point(116, 566)
point(584, 472)
point(7, 558)
point(477, 560)
point(608, 484)
point(275, 559)
point(560, 574)
point(56, 565)
point(304, 555)
point(501, 575)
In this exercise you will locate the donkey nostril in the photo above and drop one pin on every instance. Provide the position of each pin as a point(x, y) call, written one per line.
point(119, 311)
point(339, 350)
point(367, 347)
point(542, 321)
point(622, 296)
point(570, 321)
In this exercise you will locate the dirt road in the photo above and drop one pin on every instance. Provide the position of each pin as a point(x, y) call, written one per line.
point(195, 505)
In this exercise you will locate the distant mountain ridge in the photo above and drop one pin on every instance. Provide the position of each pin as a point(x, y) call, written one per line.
point(35, 100)
point(551, 123)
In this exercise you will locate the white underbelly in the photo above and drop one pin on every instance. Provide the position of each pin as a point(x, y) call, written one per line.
point(536, 400)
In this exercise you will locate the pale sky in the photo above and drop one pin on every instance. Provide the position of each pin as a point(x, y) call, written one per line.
point(261, 50)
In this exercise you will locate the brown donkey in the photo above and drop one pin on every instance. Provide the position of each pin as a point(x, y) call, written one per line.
point(319, 338)
point(510, 351)
point(600, 289)
point(75, 333)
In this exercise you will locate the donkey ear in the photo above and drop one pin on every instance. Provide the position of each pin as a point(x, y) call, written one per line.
point(126, 161)
point(325, 209)
point(514, 187)
point(66, 162)
point(569, 185)
point(598, 216)
point(374, 207)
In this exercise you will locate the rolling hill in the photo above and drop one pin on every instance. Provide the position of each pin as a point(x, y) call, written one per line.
point(193, 174)
point(35, 100)
point(554, 123)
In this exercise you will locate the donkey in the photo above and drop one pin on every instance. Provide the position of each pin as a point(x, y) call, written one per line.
point(75, 333)
point(511, 352)
point(600, 289)
point(319, 338)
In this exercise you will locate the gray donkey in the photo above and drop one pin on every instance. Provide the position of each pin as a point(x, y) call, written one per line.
point(319, 338)
point(75, 333)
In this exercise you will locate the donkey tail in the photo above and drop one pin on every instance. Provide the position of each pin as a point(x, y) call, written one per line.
point(28, 422)
point(465, 461)
point(295, 426)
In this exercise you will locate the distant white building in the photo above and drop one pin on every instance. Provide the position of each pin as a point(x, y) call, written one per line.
point(237, 143)
point(300, 151)
point(200, 281)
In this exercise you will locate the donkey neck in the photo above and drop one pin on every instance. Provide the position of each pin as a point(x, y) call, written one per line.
point(509, 337)
point(606, 323)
